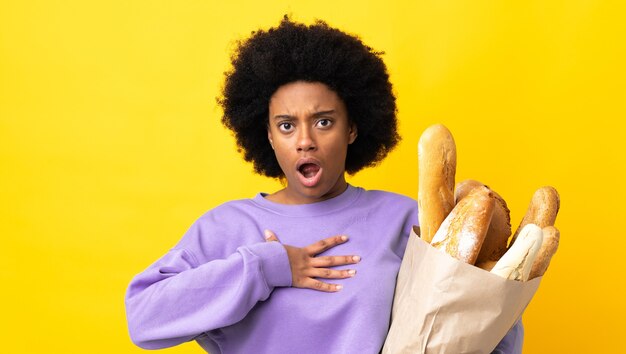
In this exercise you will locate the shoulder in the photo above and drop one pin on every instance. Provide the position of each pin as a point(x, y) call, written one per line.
point(227, 209)
point(231, 217)
point(221, 230)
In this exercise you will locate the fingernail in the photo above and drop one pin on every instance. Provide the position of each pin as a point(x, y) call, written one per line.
point(344, 238)
point(352, 272)
point(267, 234)
point(338, 287)
point(356, 258)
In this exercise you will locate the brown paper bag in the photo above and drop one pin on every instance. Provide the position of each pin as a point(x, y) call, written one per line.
point(443, 305)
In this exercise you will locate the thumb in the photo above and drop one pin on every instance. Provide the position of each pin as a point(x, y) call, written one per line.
point(270, 236)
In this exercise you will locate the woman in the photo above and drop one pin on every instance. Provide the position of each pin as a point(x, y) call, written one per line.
point(310, 268)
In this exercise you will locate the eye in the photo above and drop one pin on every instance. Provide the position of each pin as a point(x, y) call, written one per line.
point(285, 126)
point(324, 123)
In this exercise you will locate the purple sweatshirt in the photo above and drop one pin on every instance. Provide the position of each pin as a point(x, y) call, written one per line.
point(227, 288)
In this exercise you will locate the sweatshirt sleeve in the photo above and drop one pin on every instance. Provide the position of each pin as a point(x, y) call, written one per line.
point(512, 341)
point(177, 299)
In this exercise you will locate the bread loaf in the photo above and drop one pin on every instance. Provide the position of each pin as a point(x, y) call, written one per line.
point(518, 260)
point(497, 238)
point(463, 232)
point(436, 153)
point(542, 210)
point(464, 187)
point(548, 248)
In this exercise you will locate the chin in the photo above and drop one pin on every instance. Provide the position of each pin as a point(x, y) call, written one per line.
point(318, 192)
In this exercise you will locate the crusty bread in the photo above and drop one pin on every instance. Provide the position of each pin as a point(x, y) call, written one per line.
point(542, 210)
point(548, 248)
point(436, 153)
point(463, 231)
point(464, 187)
point(495, 244)
point(518, 260)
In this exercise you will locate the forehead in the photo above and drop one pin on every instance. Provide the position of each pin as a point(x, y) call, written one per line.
point(305, 96)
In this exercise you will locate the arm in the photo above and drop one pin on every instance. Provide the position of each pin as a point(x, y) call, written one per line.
point(512, 341)
point(177, 299)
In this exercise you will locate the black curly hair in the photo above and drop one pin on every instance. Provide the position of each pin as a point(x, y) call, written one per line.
point(316, 53)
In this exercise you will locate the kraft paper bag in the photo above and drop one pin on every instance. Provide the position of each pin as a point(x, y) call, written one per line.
point(443, 305)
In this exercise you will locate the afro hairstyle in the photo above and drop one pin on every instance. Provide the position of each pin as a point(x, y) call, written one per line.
point(316, 53)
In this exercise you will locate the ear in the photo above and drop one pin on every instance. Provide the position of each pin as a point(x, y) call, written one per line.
point(269, 137)
point(352, 134)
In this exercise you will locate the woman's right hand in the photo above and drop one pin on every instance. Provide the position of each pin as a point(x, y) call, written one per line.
point(305, 266)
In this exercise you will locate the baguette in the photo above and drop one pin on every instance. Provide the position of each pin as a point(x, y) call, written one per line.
point(518, 260)
point(542, 210)
point(436, 153)
point(551, 236)
point(463, 232)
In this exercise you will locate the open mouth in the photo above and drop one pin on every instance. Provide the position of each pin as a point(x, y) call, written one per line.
point(309, 172)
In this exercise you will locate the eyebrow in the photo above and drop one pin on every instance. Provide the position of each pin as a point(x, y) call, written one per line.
point(316, 114)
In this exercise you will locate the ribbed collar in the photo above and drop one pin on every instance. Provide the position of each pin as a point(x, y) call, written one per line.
point(343, 200)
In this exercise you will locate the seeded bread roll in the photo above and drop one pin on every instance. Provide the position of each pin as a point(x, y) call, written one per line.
point(495, 244)
point(551, 236)
point(463, 231)
point(542, 210)
point(436, 152)
point(518, 260)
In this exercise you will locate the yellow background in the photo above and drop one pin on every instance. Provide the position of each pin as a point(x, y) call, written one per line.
point(111, 146)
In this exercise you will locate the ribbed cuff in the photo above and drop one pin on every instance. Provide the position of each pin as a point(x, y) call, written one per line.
point(274, 263)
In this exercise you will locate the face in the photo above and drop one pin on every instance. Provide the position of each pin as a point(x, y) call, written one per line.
point(310, 132)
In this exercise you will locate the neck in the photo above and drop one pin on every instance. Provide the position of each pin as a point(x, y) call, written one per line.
point(290, 196)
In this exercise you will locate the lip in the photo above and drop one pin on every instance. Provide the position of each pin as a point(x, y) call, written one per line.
point(306, 160)
point(312, 181)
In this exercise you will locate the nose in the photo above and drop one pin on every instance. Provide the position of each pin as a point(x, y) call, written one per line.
point(305, 140)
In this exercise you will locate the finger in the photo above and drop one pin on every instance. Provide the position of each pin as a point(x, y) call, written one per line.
point(330, 273)
point(331, 261)
point(270, 236)
point(322, 245)
point(321, 286)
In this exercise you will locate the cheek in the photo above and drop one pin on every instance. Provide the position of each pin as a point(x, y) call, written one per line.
point(281, 155)
point(338, 154)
